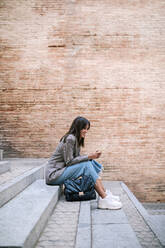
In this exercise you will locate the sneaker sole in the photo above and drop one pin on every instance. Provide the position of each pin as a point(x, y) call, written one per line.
point(110, 208)
point(116, 199)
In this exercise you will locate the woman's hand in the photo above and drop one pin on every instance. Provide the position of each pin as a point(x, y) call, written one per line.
point(95, 155)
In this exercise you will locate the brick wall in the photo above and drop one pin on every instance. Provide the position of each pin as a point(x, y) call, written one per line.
point(100, 59)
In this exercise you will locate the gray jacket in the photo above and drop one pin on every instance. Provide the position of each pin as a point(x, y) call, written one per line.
point(66, 154)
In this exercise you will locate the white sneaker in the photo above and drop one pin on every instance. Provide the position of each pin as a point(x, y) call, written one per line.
point(115, 197)
point(109, 203)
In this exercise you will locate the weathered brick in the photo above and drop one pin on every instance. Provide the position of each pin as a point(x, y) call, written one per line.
point(100, 59)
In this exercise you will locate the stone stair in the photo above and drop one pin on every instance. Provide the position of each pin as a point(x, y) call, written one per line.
point(82, 225)
point(18, 184)
point(26, 204)
point(102, 228)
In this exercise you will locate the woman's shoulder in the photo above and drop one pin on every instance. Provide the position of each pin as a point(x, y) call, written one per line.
point(71, 138)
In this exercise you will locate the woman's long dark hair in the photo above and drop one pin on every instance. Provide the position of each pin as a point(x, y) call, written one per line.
point(78, 124)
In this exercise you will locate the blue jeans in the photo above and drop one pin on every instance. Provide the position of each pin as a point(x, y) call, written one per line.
point(92, 168)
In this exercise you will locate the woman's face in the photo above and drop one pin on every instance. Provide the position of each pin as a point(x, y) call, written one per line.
point(83, 132)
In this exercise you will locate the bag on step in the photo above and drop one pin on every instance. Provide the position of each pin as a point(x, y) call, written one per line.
point(80, 189)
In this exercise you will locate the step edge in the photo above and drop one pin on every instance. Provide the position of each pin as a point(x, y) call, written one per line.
point(41, 223)
point(135, 201)
point(84, 227)
point(37, 227)
point(10, 189)
point(143, 212)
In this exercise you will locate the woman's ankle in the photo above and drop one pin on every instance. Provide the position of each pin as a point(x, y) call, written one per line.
point(103, 196)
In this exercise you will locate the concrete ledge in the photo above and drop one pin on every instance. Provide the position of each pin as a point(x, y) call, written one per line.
point(4, 166)
point(135, 201)
point(10, 190)
point(23, 218)
point(156, 222)
point(83, 238)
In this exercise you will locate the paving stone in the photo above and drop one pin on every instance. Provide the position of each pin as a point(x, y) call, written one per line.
point(112, 216)
point(61, 229)
point(114, 236)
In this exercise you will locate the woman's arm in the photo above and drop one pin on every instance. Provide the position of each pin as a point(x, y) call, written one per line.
point(94, 155)
point(68, 152)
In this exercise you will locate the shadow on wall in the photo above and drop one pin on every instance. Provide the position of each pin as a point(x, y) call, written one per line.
point(9, 151)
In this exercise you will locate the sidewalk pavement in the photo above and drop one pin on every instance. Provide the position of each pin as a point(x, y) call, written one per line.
point(69, 226)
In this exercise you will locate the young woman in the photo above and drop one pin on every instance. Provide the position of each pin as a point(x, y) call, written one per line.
point(66, 162)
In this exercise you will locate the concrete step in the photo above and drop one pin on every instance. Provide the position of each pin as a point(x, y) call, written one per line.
point(104, 228)
point(82, 225)
point(4, 166)
point(23, 218)
point(111, 228)
point(84, 232)
point(18, 184)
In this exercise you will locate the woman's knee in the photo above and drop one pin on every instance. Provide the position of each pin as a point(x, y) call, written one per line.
point(88, 168)
point(85, 165)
